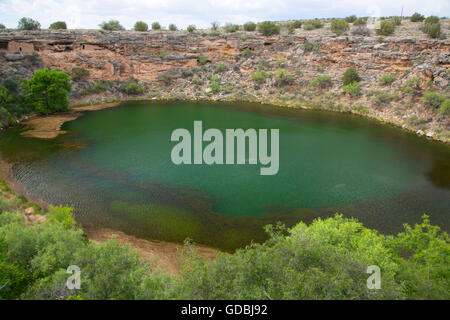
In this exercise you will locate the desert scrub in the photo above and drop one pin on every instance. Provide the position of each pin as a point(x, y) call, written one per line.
point(387, 27)
point(381, 98)
point(339, 26)
point(310, 46)
point(268, 28)
point(386, 80)
point(201, 61)
point(412, 86)
point(221, 67)
point(312, 24)
point(140, 26)
point(322, 81)
point(435, 100)
point(247, 52)
point(197, 81)
point(352, 89)
point(191, 28)
point(214, 85)
point(416, 122)
point(350, 76)
point(283, 77)
point(417, 17)
point(79, 74)
point(250, 26)
point(259, 76)
point(132, 88)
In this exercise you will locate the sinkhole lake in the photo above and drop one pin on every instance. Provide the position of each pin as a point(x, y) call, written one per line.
point(114, 167)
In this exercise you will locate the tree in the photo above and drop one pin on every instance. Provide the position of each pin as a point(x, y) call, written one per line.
point(350, 76)
point(387, 27)
point(140, 26)
point(339, 26)
point(173, 27)
point(417, 17)
point(215, 25)
point(28, 24)
point(350, 19)
point(58, 25)
point(111, 25)
point(156, 26)
point(191, 28)
point(250, 26)
point(268, 28)
point(47, 91)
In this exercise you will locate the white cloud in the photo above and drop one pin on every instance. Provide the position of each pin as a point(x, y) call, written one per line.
point(89, 13)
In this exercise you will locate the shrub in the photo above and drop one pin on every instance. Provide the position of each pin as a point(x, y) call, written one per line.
point(230, 28)
point(247, 52)
point(62, 215)
point(250, 26)
point(386, 80)
point(111, 25)
point(350, 19)
point(433, 99)
point(268, 28)
point(432, 27)
point(412, 86)
point(309, 46)
point(58, 25)
point(387, 27)
point(221, 67)
point(215, 25)
point(186, 73)
point(259, 76)
point(353, 89)
point(214, 85)
point(191, 28)
point(197, 81)
point(79, 74)
point(339, 26)
point(132, 88)
point(360, 22)
point(28, 24)
point(417, 17)
point(396, 21)
point(202, 60)
point(297, 24)
point(350, 76)
point(382, 98)
point(283, 77)
point(312, 24)
point(173, 27)
point(47, 91)
point(322, 81)
point(156, 26)
point(140, 26)
point(445, 107)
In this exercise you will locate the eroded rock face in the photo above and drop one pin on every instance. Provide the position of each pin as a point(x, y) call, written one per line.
point(167, 63)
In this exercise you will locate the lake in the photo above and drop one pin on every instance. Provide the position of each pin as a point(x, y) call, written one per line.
point(114, 167)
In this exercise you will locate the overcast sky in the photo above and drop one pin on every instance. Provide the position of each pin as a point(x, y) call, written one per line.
point(87, 14)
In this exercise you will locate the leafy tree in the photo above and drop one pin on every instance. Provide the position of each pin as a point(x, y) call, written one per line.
point(140, 26)
point(191, 28)
point(111, 25)
point(417, 17)
point(268, 28)
point(387, 27)
point(249, 26)
point(28, 24)
point(350, 76)
point(173, 27)
point(47, 91)
point(58, 25)
point(156, 26)
point(350, 19)
point(339, 26)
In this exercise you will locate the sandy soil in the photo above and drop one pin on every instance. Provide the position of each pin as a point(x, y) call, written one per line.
point(49, 127)
point(166, 253)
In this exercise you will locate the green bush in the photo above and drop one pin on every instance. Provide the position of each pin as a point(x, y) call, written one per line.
point(268, 28)
point(197, 81)
point(432, 27)
point(360, 22)
point(396, 21)
point(312, 24)
point(230, 28)
point(247, 52)
point(387, 27)
point(156, 26)
point(191, 28)
point(58, 25)
point(132, 88)
point(47, 91)
point(111, 25)
point(250, 26)
point(386, 80)
point(382, 98)
point(322, 81)
point(201, 61)
point(79, 74)
point(412, 86)
point(140, 26)
point(351, 19)
point(350, 76)
point(309, 46)
point(339, 26)
point(221, 67)
point(445, 107)
point(433, 99)
point(62, 215)
point(353, 89)
point(259, 76)
point(214, 85)
point(28, 24)
point(283, 77)
point(173, 27)
point(417, 17)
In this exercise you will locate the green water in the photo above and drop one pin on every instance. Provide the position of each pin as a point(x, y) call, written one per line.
point(114, 167)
